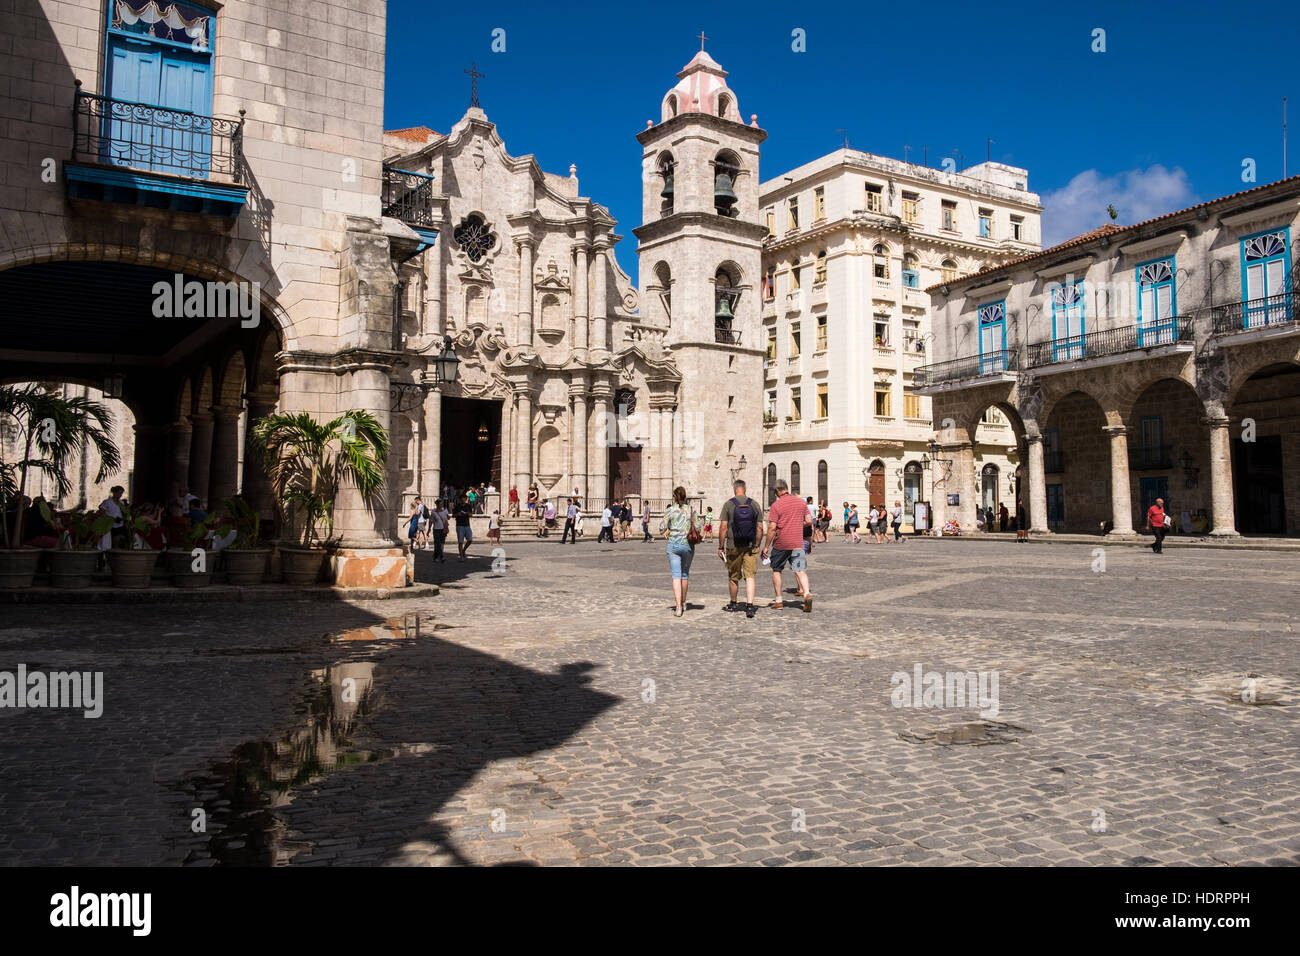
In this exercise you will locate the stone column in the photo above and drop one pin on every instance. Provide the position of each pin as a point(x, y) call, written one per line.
point(1121, 494)
point(1036, 505)
point(581, 308)
point(434, 306)
point(200, 454)
point(524, 330)
point(223, 481)
point(602, 395)
point(256, 490)
point(361, 523)
point(1222, 510)
point(523, 428)
point(178, 456)
point(578, 429)
point(429, 480)
point(599, 323)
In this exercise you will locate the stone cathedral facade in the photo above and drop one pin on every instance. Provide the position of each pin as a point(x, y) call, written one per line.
point(570, 377)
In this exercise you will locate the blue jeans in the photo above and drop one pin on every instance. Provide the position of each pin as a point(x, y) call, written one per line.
point(680, 555)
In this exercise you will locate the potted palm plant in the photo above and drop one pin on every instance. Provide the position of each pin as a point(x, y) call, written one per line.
point(306, 462)
point(191, 566)
point(39, 430)
point(73, 563)
point(244, 558)
point(131, 559)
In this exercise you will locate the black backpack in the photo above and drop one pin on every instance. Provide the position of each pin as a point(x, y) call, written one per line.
point(744, 521)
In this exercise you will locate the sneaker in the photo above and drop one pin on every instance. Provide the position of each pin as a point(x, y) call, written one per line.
point(749, 610)
point(731, 606)
point(807, 603)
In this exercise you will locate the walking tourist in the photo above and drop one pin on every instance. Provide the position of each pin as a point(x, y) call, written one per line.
point(1158, 524)
point(851, 524)
point(438, 528)
point(625, 520)
point(533, 497)
point(896, 521)
point(512, 509)
point(494, 527)
point(739, 523)
point(464, 534)
point(570, 523)
point(784, 543)
point(415, 523)
point(645, 523)
point(1004, 516)
point(680, 523)
point(606, 525)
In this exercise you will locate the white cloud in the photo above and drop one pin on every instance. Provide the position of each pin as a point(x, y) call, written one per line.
point(1080, 205)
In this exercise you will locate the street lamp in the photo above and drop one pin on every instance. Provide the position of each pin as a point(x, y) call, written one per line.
point(405, 396)
point(740, 466)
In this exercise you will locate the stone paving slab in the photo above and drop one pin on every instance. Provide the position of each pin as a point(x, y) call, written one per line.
point(553, 711)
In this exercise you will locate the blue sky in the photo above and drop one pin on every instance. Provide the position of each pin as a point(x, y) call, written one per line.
point(1162, 119)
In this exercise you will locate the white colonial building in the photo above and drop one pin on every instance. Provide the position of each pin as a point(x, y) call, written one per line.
point(853, 240)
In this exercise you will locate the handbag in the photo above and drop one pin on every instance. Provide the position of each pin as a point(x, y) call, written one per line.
point(693, 535)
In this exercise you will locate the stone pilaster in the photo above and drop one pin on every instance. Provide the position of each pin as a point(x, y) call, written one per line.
point(599, 318)
point(256, 486)
point(524, 329)
point(223, 474)
point(362, 523)
point(1121, 497)
point(200, 454)
point(581, 305)
point(578, 435)
point(179, 436)
point(1222, 510)
point(429, 428)
point(602, 396)
point(523, 431)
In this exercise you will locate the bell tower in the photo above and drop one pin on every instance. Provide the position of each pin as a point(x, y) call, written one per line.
point(700, 256)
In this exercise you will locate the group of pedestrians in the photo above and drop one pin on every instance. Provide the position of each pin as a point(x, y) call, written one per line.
point(427, 527)
point(616, 522)
point(783, 542)
point(881, 521)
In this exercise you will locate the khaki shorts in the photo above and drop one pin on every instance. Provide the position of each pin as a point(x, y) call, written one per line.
point(742, 563)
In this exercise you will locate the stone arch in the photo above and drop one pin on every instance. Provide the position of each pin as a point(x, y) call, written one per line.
point(1263, 446)
point(670, 107)
point(1077, 458)
point(1052, 398)
point(796, 476)
point(203, 393)
point(184, 401)
point(1242, 371)
point(264, 371)
point(232, 383)
point(1133, 379)
point(1164, 423)
point(550, 453)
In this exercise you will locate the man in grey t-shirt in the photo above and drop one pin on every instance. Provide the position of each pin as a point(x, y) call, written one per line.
point(738, 546)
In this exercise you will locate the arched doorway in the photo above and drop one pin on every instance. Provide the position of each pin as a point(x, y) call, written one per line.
point(990, 498)
point(1076, 465)
point(1167, 444)
point(794, 478)
point(770, 481)
point(913, 476)
point(876, 484)
point(1265, 438)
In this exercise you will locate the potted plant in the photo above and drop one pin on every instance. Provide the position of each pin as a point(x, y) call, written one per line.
point(245, 558)
point(191, 566)
point(131, 560)
point(306, 462)
point(43, 429)
point(73, 563)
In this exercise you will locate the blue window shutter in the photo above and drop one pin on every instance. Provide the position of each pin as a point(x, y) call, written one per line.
point(135, 78)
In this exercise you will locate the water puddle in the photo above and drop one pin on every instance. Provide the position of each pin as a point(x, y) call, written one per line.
point(405, 628)
point(243, 798)
point(977, 734)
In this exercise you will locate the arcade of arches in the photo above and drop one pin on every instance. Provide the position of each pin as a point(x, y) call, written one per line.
point(1216, 436)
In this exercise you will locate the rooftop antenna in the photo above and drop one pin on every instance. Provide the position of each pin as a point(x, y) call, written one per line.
point(1284, 137)
point(845, 134)
point(926, 154)
point(906, 149)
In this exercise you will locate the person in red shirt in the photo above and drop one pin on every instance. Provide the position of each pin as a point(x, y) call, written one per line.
point(513, 509)
point(1156, 525)
point(784, 542)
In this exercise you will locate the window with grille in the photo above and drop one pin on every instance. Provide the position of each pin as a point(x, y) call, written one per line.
point(948, 215)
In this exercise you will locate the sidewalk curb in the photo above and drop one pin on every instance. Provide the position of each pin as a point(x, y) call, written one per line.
point(217, 593)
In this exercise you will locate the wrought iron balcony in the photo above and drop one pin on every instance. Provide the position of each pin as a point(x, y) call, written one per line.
point(1129, 338)
point(972, 366)
point(407, 196)
point(724, 336)
point(137, 136)
point(1150, 457)
point(1255, 313)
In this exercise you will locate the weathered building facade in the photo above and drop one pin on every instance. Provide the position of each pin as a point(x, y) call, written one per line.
point(852, 241)
point(1159, 360)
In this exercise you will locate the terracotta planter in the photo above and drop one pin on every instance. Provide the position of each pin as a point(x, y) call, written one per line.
point(180, 565)
point(18, 567)
point(245, 566)
point(302, 565)
point(132, 568)
point(72, 569)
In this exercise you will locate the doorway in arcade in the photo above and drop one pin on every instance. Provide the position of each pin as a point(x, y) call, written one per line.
point(470, 441)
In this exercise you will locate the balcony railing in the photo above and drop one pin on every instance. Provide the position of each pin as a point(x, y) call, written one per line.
point(1149, 457)
point(1255, 313)
point(1129, 338)
point(407, 196)
point(138, 136)
point(726, 336)
point(972, 366)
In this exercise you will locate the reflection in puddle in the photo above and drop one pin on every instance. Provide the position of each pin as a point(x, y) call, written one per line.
point(241, 797)
point(407, 627)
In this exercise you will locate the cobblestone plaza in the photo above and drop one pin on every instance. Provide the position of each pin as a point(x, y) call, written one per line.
point(553, 711)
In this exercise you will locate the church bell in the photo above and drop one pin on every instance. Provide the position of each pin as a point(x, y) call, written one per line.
point(668, 184)
point(724, 196)
point(724, 313)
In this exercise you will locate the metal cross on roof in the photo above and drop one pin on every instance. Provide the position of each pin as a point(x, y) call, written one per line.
point(474, 76)
point(702, 38)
